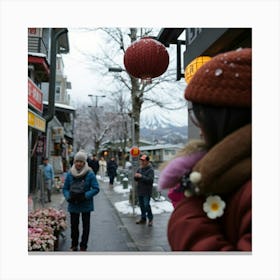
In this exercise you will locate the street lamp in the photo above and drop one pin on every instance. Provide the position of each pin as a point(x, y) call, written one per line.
point(96, 98)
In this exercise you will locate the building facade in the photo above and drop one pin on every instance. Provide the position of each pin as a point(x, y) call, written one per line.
point(194, 42)
point(44, 45)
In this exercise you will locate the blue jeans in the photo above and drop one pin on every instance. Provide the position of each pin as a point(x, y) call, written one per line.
point(145, 207)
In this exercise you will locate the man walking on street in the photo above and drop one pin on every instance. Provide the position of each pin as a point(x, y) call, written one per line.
point(112, 171)
point(48, 177)
point(93, 164)
point(145, 178)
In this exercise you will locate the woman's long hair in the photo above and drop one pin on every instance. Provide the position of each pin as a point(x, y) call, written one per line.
point(218, 122)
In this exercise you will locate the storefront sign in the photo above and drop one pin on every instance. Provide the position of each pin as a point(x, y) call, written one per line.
point(36, 121)
point(35, 96)
point(35, 32)
point(199, 40)
point(57, 133)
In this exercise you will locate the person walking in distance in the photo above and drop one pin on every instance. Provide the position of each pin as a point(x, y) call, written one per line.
point(48, 177)
point(215, 213)
point(145, 178)
point(93, 164)
point(112, 171)
point(103, 167)
point(79, 188)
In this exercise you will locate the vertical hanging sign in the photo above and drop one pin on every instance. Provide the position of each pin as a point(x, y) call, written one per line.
point(35, 96)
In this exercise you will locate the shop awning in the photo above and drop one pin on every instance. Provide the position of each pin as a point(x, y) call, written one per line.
point(62, 111)
point(41, 66)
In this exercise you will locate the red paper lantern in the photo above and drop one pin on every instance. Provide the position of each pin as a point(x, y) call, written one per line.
point(146, 59)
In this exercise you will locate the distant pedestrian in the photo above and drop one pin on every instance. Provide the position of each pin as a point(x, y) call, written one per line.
point(145, 179)
point(48, 178)
point(216, 212)
point(112, 171)
point(93, 164)
point(79, 188)
point(102, 167)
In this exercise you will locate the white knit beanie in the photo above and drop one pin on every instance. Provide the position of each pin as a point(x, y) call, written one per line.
point(81, 155)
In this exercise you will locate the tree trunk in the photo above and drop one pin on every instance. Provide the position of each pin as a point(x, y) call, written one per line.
point(136, 97)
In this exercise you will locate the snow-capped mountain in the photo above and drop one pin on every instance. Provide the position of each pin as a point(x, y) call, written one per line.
point(155, 118)
point(165, 127)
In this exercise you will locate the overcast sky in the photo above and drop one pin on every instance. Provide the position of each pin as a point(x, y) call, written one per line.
point(17, 16)
point(86, 81)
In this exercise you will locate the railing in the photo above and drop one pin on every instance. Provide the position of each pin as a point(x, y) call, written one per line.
point(37, 45)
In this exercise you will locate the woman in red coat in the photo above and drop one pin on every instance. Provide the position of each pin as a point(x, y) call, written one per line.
point(216, 213)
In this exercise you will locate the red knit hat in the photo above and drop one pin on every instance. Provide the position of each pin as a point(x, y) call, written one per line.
point(225, 80)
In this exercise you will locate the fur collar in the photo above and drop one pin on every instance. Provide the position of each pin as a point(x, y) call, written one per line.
point(227, 165)
point(193, 146)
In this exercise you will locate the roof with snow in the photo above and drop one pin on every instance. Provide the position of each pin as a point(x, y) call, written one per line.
point(160, 147)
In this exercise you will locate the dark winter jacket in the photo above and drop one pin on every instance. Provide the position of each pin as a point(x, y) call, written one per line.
point(112, 168)
point(145, 183)
point(94, 165)
point(91, 188)
point(225, 171)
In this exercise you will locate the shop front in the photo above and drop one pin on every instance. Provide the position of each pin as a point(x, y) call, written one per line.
point(36, 147)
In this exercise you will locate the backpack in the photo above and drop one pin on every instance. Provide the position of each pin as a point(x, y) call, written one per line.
point(77, 191)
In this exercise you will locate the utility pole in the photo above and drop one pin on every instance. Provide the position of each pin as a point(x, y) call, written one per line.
point(96, 98)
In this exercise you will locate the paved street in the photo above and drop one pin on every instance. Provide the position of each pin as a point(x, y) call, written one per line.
point(107, 234)
point(112, 231)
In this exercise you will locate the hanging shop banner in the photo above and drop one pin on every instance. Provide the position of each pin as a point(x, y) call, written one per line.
point(36, 121)
point(35, 96)
point(57, 133)
point(41, 146)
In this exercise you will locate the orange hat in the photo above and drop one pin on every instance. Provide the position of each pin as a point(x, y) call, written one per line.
point(225, 80)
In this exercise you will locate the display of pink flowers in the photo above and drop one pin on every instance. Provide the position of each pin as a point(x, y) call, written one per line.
point(44, 227)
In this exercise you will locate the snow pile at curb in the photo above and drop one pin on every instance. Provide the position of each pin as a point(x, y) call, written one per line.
point(157, 207)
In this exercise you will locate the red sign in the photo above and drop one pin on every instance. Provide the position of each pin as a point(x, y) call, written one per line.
point(35, 96)
point(35, 32)
point(135, 152)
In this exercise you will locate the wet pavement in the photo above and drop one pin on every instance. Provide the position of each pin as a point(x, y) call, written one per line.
point(114, 231)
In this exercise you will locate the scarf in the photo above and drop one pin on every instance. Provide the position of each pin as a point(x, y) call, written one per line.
point(227, 165)
point(79, 173)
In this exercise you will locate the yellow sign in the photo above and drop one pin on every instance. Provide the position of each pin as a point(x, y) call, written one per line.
point(36, 121)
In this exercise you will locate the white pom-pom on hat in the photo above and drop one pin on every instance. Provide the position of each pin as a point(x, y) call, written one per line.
point(195, 177)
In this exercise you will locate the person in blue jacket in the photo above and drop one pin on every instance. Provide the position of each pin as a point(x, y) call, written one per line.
point(48, 177)
point(80, 204)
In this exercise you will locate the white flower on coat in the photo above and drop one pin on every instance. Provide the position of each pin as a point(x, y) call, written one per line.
point(195, 177)
point(188, 193)
point(214, 206)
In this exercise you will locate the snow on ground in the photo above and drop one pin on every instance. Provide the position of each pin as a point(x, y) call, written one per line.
point(125, 207)
point(157, 207)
